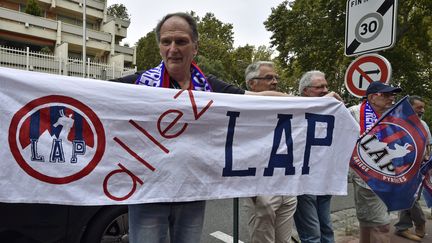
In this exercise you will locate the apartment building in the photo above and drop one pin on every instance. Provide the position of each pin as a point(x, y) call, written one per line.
point(60, 29)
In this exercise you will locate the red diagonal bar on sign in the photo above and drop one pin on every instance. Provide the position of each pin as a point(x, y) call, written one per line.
point(363, 74)
point(149, 136)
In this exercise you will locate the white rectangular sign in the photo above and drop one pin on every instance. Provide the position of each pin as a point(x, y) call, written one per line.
point(370, 26)
point(89, 142)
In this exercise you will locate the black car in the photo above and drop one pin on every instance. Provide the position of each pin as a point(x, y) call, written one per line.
point(49, 223)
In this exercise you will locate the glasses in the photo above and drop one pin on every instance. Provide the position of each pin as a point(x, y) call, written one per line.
point(268, 77)
point(322, 86)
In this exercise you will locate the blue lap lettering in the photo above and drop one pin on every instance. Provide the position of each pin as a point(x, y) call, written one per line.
point(281, 160)
point(227, 170)
point(312, 120)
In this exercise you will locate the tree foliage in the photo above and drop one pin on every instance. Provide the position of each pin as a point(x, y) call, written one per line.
point(33, 8)
point(310, 35)
point(215, 46)
point(147, 52)
point(119, 11)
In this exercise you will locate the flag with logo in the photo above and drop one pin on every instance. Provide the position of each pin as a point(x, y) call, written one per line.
point(389, 155)
point(426, 170)
point(76, 141)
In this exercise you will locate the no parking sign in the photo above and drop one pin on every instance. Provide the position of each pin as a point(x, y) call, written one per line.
point(364, 70)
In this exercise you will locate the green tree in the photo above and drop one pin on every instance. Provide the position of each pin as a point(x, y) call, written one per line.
point(262, 53)
point(215, 45)
point(119, 11)
point(411, 57)
point(310, 35)
point(147, 52)
point(211, 66)
point(241, 57)
point(33, 8)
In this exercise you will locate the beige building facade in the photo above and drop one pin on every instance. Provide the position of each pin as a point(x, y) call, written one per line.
point(60, 29)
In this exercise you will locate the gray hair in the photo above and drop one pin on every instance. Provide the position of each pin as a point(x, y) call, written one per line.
point(253, 70)
point(189, 19)
point(413, 98)
point(306, 79)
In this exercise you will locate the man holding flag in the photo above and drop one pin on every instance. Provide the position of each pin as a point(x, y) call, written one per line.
point(371, 211)
point(414, 214)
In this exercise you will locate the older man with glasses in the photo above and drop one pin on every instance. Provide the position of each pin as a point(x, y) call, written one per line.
point(270, 217)
point(313, 84)
point(371, 211)
point(261, 76)
point(312, 218)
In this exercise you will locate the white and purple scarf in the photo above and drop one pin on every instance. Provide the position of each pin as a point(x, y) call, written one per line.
point(159, 77)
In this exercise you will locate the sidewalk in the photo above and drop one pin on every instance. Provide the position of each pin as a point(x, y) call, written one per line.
point(347, 228)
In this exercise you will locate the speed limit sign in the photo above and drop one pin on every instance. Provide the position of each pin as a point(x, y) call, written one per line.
point(370, 26)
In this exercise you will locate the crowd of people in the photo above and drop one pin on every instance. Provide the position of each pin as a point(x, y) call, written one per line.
point(270, 218)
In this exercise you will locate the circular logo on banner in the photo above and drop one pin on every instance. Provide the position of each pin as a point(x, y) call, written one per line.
point(364, 70)
point(390, 159)
point(56, 139)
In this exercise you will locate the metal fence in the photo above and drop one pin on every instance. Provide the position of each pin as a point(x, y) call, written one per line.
point(47, 63)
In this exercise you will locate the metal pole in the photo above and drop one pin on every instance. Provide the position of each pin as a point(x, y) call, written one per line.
point(236, 220)
point(27, 58)
point(113, 70)
point(60, 63)
point(84, 38)
point(88, 67)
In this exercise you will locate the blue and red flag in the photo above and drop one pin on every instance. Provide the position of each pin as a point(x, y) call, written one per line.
point(388, 156)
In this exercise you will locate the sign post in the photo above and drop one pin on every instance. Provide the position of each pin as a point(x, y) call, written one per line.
point(370, 26)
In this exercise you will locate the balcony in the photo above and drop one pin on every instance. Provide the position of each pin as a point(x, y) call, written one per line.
point(128, 52)
point(94, 9)
point(26, 24)
point(116, 26)
point(22, 27)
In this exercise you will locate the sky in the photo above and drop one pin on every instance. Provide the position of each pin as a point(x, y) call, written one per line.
point(246, 16)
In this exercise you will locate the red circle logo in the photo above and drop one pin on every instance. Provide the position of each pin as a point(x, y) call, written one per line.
point(56, 139)
point(393, 159)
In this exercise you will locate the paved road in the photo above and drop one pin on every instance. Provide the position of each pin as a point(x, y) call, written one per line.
point(219, 218)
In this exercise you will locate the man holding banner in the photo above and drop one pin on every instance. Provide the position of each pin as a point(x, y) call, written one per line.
point(177, 36)
point(270, 217)
point(371, 211)
point(164, 151)
point(312, 218)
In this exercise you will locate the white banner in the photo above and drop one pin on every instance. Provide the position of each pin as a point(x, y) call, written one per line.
point(79, 141)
